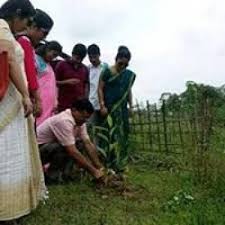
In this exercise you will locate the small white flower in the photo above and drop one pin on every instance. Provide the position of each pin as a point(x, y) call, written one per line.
point(189, 197)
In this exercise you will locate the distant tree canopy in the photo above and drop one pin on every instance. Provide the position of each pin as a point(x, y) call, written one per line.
point(195, 96)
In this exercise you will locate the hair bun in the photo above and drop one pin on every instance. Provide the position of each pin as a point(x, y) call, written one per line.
point(123, 48)
point(123, 52)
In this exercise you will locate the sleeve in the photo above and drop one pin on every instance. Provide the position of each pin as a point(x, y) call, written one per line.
point(104, 66)
point(104, 75)
point(64, 133)
point(29, 63)
point(55, 88)
point(6, 44)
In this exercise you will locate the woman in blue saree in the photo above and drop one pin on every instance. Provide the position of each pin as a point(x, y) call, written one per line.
point(115, 94)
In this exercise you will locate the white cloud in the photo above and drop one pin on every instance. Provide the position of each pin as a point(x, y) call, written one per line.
point(171, 41)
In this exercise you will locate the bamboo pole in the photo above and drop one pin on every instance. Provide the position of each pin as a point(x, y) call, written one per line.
point(165, 126)
point(149, 126)
point(157, 127)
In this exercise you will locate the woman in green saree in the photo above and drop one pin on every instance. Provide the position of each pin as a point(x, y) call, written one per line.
point(115, 94)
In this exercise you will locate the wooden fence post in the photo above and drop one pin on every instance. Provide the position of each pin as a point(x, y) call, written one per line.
point(158, 128)
point(149, 126)
point(141, 126)
point(164, 125)
point(180, 128)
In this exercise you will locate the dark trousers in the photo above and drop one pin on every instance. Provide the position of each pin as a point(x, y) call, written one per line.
point(61, 163)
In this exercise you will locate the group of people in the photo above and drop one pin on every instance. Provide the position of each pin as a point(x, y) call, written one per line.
point(46, 103)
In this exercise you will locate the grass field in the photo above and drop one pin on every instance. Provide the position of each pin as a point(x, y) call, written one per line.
point(153, 194)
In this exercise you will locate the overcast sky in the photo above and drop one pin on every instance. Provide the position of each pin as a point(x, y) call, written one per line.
point(172, 41)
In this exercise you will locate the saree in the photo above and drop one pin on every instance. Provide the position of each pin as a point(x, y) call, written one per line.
point(116, 95)
point(21, 177)
point(47, 88)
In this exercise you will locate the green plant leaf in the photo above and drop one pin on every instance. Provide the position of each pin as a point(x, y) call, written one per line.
point(100, 128)
point(113, 147)
point(110, 121)
point(121, 165)
point(104, 137)
point(112, 131)
point(102, 151)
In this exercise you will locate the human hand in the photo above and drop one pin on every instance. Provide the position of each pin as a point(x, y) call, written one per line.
point(37, 109)
point(104, 111)
point(28, 106)
point(99, 174)
point(71, 81)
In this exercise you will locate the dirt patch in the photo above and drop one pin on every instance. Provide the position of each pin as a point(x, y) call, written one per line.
point(117, 185)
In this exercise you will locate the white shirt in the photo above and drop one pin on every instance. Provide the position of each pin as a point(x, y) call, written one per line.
point(94, 75)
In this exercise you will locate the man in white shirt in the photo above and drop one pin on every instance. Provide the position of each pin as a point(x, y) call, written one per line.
point(95, 69)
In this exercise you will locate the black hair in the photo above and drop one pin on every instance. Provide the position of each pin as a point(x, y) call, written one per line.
point(52, 45)
point(123, 52)
point(16, 8)
point(93, 50)
point(80, 50)
point(83, 105)
point(42, 20)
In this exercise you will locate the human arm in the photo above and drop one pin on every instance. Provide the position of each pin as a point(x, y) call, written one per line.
point(31, 74)
point(15, 72)
point(92, 153)
point(60, 76)
point(130, 100)
point(103, 109)
point(37, 103)
point(89, 146)
point(64, 133)
point(82, 161)
point(72, 81)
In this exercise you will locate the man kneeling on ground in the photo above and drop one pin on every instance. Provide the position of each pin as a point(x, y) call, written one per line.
point(57, 138)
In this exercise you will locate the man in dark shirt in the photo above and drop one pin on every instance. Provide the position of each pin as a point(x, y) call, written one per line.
point(72, 78)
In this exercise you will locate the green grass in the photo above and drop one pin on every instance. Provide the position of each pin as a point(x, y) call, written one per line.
point(148, 200)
